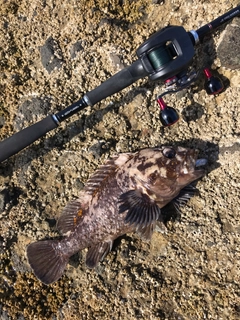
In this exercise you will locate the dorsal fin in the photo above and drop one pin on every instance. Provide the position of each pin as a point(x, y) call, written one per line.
point(102, 175)
point(70, 217)
point(75, 210)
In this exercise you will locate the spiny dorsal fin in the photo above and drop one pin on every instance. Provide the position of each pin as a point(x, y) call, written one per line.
point(102, 175)
point(75, 210)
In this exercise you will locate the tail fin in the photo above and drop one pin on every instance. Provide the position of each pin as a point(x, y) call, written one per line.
point(46, 260)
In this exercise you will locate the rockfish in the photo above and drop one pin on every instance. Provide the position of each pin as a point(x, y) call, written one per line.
point(126, 194)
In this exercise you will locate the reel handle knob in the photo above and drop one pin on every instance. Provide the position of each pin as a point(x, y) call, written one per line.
point(168, 115)
point(213, 85)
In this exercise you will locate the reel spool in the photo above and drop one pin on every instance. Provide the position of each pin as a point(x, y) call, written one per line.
point(166, 53)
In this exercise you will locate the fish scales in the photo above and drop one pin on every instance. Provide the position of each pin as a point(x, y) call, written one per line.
point(125, 195)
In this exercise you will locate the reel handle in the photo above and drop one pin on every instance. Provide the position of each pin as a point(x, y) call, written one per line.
point(168, 115)
point(213, 85)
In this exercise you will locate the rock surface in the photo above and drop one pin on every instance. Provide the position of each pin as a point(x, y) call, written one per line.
point(190, 272)
point(228, 49)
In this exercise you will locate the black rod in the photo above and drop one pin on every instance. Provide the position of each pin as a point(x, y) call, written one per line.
point(69, 111)
point(27, 136)
point(218, 22)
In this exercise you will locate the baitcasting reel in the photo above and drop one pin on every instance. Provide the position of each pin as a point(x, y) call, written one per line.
point(165, 56)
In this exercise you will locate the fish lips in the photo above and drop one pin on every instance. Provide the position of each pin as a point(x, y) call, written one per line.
point(199, 164)
point(194, 168)
point(199, 170)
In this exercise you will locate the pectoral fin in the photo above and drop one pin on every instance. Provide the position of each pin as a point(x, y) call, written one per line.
point(146, 232)
point(141, 210)
point(97, 253)
point(184, 196)
point(172, 210)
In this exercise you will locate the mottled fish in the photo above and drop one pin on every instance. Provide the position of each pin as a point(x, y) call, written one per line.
point(126, 194)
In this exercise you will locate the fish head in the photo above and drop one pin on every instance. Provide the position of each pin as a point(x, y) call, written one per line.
point(162, 172)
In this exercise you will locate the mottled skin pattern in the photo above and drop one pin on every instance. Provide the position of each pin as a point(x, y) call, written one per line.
point(155, 175)
point(101, 221)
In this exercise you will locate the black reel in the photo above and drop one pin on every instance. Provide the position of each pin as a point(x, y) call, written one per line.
point(166, 56)
point(166, 53)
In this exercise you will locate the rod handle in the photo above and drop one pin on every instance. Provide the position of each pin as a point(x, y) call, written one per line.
point(25, 137)
point(116, 83)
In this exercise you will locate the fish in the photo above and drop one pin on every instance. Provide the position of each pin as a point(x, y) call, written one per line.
point(128, 193)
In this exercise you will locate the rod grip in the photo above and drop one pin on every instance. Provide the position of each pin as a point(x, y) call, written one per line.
point(25, 137)
point(117, 82)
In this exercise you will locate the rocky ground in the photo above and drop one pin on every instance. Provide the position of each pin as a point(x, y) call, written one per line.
point(51, 53)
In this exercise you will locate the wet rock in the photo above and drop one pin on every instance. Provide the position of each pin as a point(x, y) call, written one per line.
point(228, 49)
point(2, 121)
point(192, 112)
point(29, 111)
point(116, 60)
point(2, 202)
point(76, 47)
point(100, 147)
point(157, 2)
point(9, 197)
point(3, 314)
point(51, 55)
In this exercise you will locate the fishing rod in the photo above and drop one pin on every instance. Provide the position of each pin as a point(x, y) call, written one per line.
point(166, 56)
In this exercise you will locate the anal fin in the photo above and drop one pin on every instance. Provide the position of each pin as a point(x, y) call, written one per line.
point(97, 253)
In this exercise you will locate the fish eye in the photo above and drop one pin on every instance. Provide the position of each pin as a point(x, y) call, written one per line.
point(169, 153)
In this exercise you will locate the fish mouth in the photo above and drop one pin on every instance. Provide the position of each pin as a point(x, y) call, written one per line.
point(199, 169)
point(192, 167)
point(197, 164)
